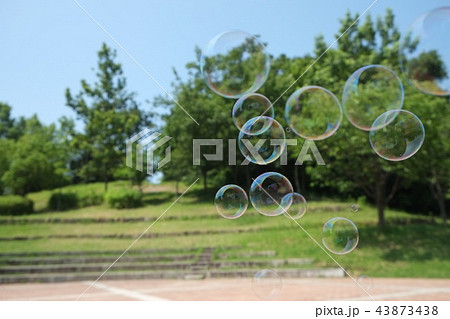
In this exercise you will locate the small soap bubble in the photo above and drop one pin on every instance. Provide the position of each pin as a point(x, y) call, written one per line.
point(231, 201)
point(294, 205)
point(354, 208)
point(340, 235)
point(265, 147)
point(267, 192)
point(252, 106)
point(366, 282)
point(267, 284)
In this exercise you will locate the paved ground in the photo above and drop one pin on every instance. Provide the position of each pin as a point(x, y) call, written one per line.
point(232, 289)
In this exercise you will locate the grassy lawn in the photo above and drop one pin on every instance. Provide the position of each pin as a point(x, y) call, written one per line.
point(403, 249)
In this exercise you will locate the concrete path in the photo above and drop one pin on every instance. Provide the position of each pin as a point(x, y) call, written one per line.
point(232, 289)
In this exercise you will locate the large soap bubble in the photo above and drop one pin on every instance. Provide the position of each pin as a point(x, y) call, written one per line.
point(425, 52)
point(369, 92)
point(313, 113)
point(401, 135)
point(234, 63)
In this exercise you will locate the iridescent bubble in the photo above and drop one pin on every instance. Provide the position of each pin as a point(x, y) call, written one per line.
point(400, 139)
point(265, 147)
point(250, 106)
point(266, 284)
point(425, 52)
point(231, 201)
point(234, 63)
point(369, 92)
point(340, 235)
point(366, 282)
point(354, 208)
point(267, 192)
point(294, 205)
point(313, 113)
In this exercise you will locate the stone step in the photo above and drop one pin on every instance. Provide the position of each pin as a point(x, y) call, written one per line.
point(87, 260)
point(79, 268)
point(111, 252)
point(63, 277)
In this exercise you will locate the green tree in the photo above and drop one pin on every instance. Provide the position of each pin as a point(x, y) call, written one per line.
point(110, 115)
point(36, 161)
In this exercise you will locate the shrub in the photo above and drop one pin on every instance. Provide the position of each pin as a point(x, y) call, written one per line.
point(89, 198)
point(73, 200)
point(15, 205)
point(62, 201)
point(124, 198)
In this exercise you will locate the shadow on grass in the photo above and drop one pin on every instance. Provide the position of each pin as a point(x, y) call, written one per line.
point(157, 198)
point(412, 242)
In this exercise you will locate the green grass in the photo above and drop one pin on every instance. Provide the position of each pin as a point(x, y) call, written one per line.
point(403, 249)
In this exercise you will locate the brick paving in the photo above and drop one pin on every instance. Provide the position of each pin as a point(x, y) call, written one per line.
point(231, 289)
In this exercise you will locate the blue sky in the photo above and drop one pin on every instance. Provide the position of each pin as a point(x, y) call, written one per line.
point(48, 46)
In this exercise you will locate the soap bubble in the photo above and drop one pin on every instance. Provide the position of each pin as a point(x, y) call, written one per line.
point(231, 201)
point(313, 113)
point(354, 208)
point(250, 106)
point(294, 205)
point(266, 284)
point(425, 52)
point(265, 147)
point(401, 138)
point(267, 192)
point(369, 92)
point(340, 235)
point(365, 281)
point(234, 63)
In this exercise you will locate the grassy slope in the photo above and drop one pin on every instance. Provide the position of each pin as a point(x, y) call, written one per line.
point(412, 250)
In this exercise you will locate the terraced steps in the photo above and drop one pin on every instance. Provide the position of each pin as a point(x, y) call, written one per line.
point(152, 264)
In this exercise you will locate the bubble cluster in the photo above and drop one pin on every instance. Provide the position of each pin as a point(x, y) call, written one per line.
point(369, 92)
point(262, 140)
point(251, 106)
point(231, 201)
point(425, 52)
point(267, 192)
point(266, 284)
point(294, 205)
point(340, 235)
point(234, 63)
point(401, 135)
point(313, 113)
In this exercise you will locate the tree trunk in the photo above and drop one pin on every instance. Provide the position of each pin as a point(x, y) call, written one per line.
point(298, 189)
point(247, 176)
point(176, 188)
point(205, 179)
point(380, 200)
point(439, 194)
point(442, 209)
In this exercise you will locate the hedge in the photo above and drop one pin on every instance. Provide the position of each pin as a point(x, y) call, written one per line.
point(124, 198)
point(15, 205)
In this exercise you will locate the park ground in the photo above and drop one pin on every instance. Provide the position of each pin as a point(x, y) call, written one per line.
point(408, 260)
